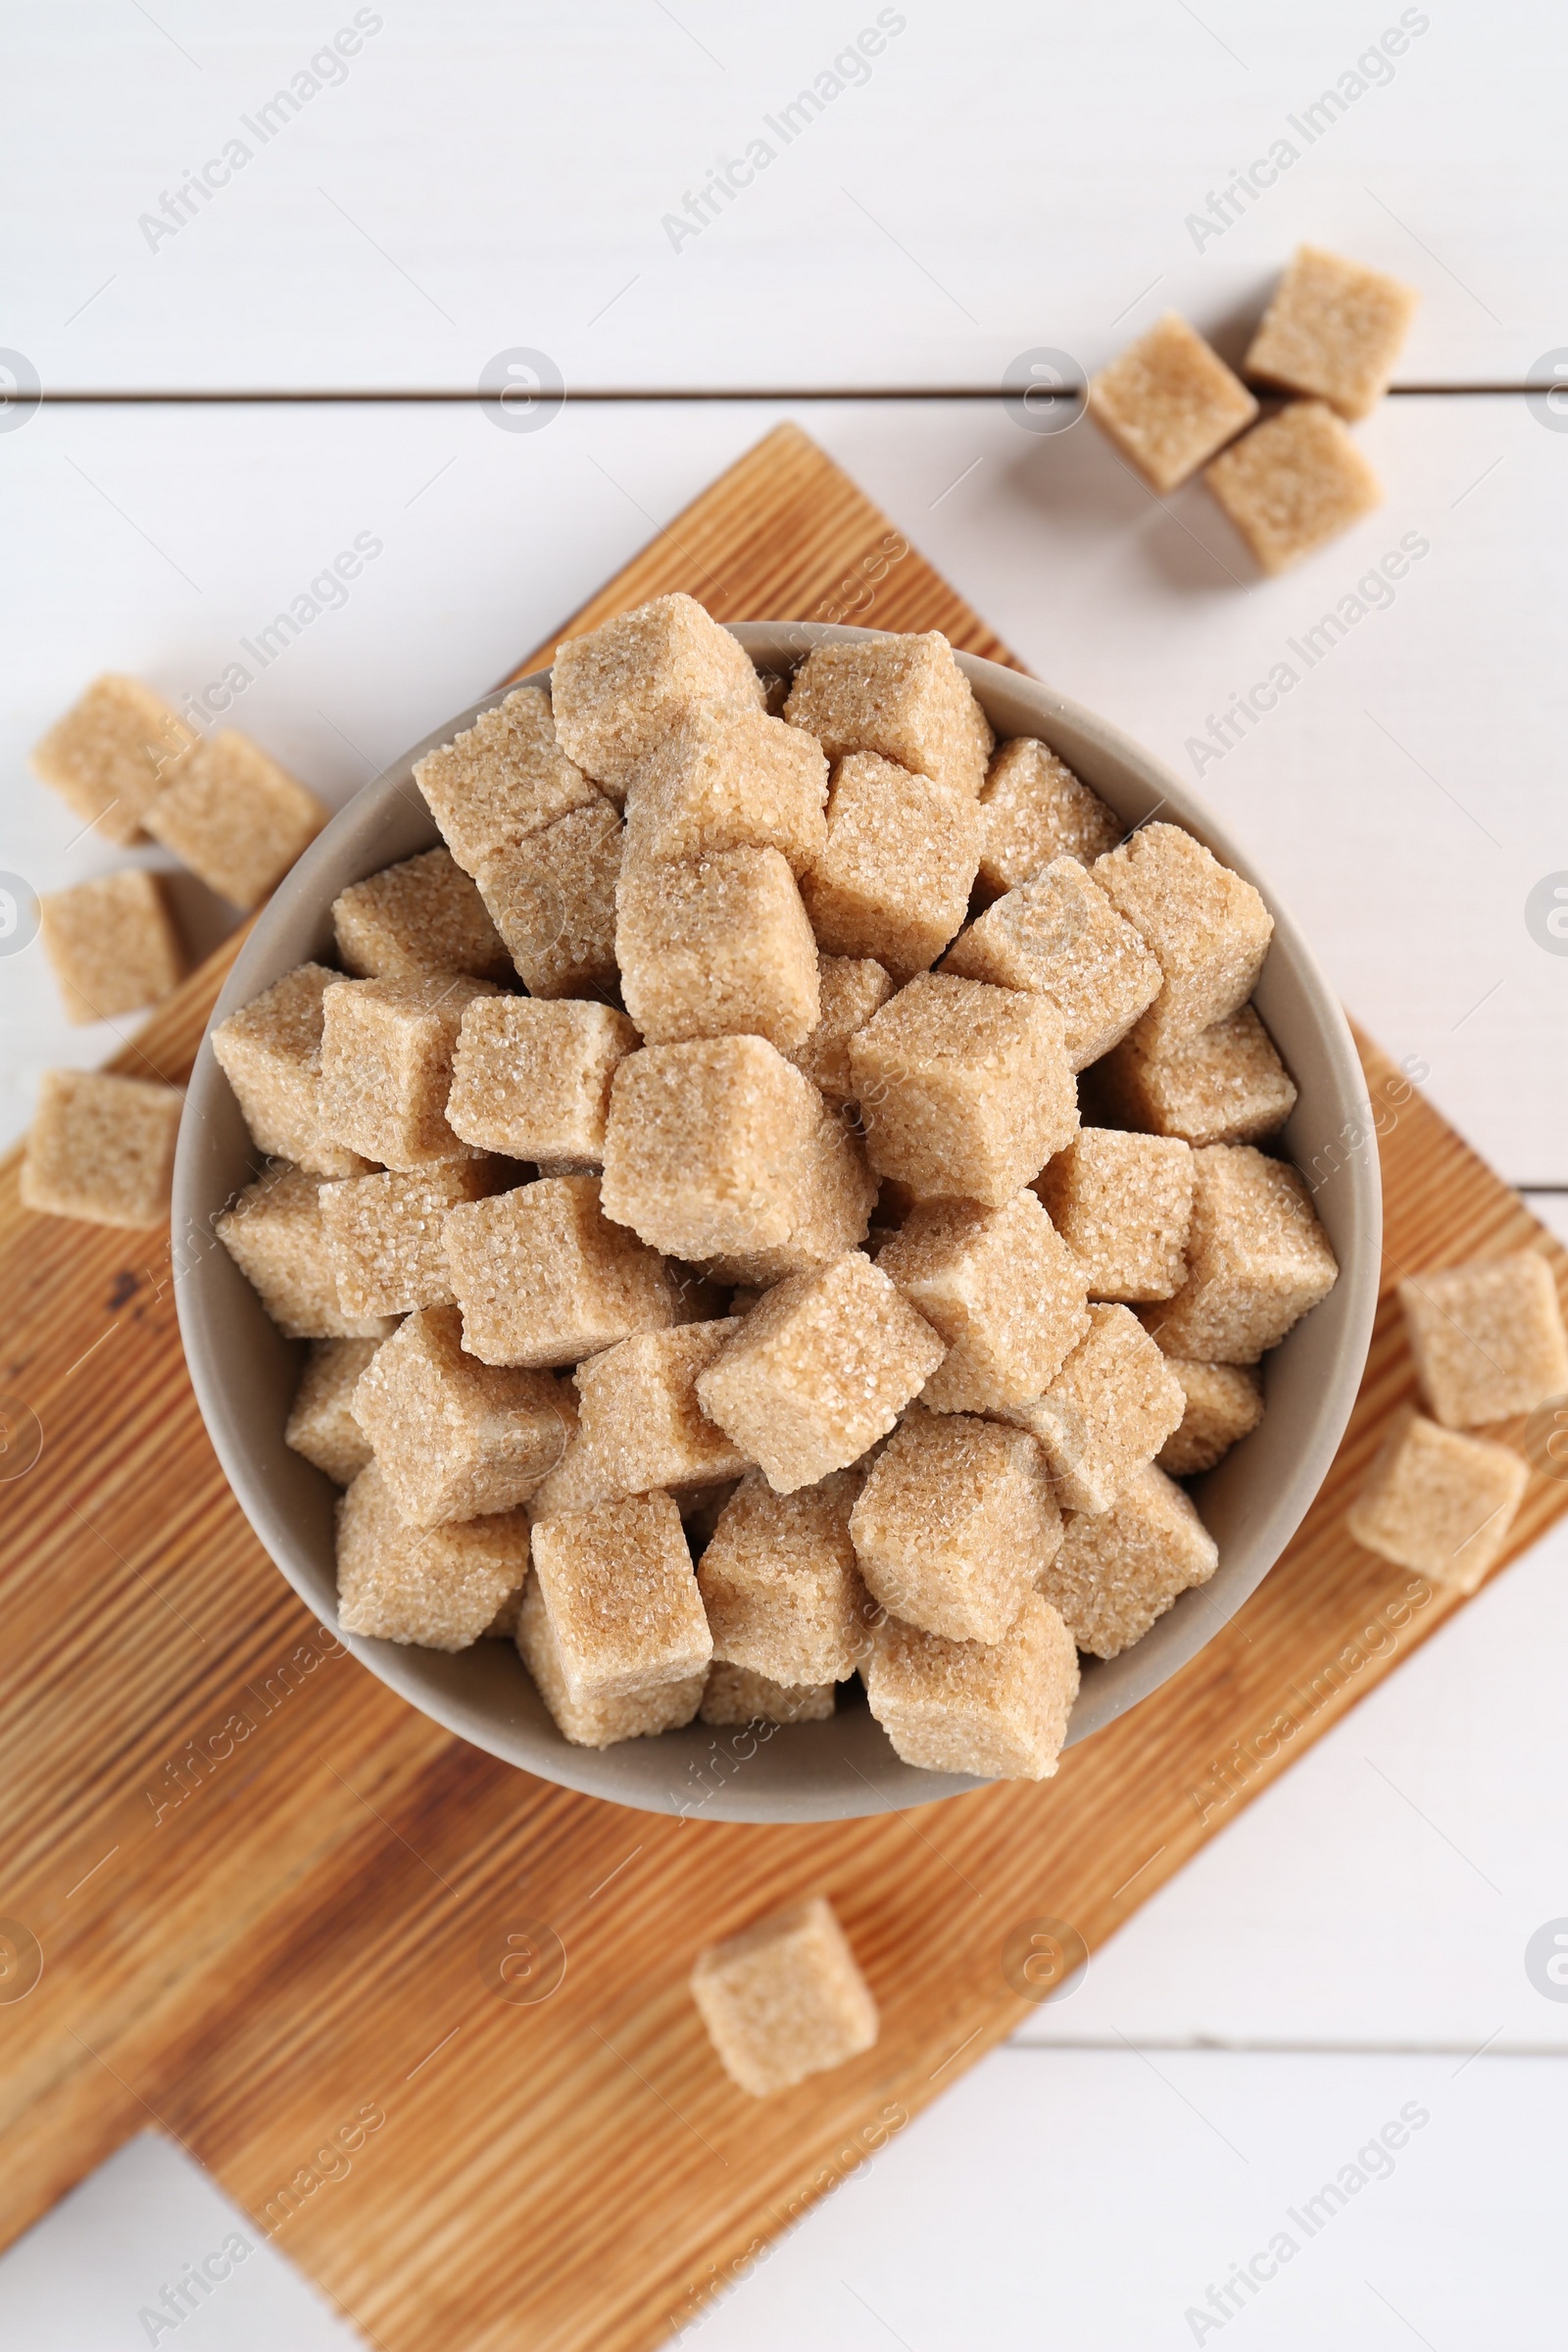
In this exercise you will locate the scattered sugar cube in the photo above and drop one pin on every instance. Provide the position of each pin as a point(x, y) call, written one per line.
point(781, 1584)
point(784, 1998)
point(1118, 1571)
point(851, 989)
point(321, 1425)
point(955, 1525)
point(1107, 1413)
point(641, 1426)
point(1258, 1259)
point(235, 817)
point(101, 1149)
point(727, 778)
point(1294, 483)
point(424, 915)
point(439, 1586)
point(1033, 810)
point(620, 1592)
point(893, 881)
point(111, 944)
point(502, 780)
point(618, 692)
point(386, 1065)
point(1224, 1403)
point(1169, 403)
point(903, 696)
point(111, 753)
point(820, 1369)
point(271, 1054)
point(1207, 929)
point(384, 1233)
point(1487, 1338)
point(1439, 1502)
point(543, 1278)
point(1225, 1085)
point(734, 1695)
point(997, 1710)
point(531, 1078)
point(276, 1235)
point(716, 947)
point(965, 1089)
point(553, 901)
point(597, 1722)
point(1060, 937)
point(1332, 331)
point(456, 1439)
point(1000, 1287)
point(1123, 1204)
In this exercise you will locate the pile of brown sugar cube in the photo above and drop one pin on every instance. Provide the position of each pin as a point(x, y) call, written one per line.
point(816, 1332)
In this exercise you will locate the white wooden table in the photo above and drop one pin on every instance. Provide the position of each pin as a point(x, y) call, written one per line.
point(478, 182)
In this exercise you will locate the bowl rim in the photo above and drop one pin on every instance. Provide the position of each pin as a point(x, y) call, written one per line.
point(1111, 1688)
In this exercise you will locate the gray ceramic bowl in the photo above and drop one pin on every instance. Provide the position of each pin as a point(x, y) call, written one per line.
point(244, 1371)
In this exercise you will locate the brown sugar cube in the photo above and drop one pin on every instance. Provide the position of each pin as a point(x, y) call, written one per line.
point(456, 1439)
point(641, 1426)
point(1332, 331)
point(276, 1235)
point(1107, 1413)
point(784, 1998)
point(384, 1233)
point(1224, 1403)
point(903, 696)
point(619, 691)
point(1123, 1204)
point(111, 944)
point(424, 915)
point(821, 1368)
point(620, 1592)
point(235, 817)
point(833, 1193)
point(321, 1425)
point(781, 1583)
point(1118, 1571)
point(271, 1054)
point(1000, 1287)
point(1060, 937)
point(703, 1144)
point(1439, 1502)
point(1258, 1259)
point(851, 989)
point(438, 1586)
point(995, 1709)
point(502, 780)
point(386, 1065)
point(531, 1078)
point(553, 901)
point(101, 1149)
point(1294, 483)
point(893, 881)
point(724, 778)
point(1169, 403)
point(1225, 1085)
point(597, 1722)
point(543, 1278)
point(965, 1089)
point(735, 1695)
point(111, 753)
point(716, 947)
point(1033, 810)
point(1207, 929)
point(954, 1525)
point(1487, 1338)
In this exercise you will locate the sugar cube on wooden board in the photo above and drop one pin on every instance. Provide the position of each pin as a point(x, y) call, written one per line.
point(1487, 1338)
point(102, 1149)
point(784, 1998)
point(112, 944)
point(1438, 1501)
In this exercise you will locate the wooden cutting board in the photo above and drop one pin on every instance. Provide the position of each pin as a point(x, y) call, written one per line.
point(271, 1902)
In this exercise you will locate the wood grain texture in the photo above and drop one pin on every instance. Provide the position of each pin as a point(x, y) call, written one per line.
point(269, 1897)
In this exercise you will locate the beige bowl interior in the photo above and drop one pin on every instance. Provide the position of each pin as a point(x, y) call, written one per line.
point(244, 1371)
